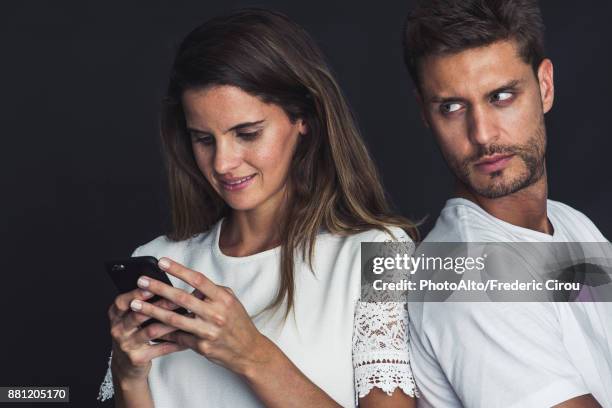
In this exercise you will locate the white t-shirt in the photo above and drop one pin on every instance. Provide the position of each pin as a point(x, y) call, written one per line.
point(334, 339)
point(510, 354)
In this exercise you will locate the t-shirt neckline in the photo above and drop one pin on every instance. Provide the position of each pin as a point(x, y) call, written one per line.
point(540, 236)
point(237, 259)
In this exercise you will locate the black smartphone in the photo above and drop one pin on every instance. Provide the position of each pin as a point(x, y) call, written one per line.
point(125, 274)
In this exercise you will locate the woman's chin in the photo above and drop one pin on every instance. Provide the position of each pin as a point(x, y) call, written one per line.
point(241, 205)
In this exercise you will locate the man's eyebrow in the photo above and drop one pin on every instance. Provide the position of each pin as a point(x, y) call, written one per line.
point(508, 86)
point(235, 127)
point(439, 99)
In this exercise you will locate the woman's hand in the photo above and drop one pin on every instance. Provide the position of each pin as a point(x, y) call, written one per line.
point(220, 329)
point(132, 353)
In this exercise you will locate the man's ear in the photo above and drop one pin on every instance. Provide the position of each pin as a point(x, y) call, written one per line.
point(419, 99)
point(547, 85)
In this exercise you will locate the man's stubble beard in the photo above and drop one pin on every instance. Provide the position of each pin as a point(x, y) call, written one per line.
point(531, 153)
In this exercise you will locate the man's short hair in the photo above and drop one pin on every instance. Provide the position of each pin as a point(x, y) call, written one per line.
point(438, 27)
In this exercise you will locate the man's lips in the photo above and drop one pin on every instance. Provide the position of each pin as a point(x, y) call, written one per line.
point(493, 163)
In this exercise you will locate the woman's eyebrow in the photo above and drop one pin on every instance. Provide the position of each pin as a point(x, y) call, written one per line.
point(244, 125)
point(193, 130)
point(235, 127)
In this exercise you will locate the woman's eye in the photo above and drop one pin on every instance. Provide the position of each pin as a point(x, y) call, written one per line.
point(205, 140)
point(248, 135)
point(450, 107)
point(501, 96)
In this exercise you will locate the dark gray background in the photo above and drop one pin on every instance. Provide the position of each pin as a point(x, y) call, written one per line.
point(81, 170)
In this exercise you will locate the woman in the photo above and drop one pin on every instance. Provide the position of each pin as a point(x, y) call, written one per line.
point(272, 192)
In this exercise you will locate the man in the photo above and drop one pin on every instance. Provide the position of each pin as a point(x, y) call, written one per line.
point(484, 86)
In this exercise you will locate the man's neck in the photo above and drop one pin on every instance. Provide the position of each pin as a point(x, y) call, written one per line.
point(525, 208)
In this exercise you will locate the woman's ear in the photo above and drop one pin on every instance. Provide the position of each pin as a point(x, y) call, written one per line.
point(302, 127)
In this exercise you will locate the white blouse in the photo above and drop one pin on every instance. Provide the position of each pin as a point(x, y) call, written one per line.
point(343, 345)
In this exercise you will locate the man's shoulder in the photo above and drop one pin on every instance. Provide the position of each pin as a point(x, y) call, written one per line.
point(463, 221)
point(576, 225)
point(437, 319)
point(557, 207)
point(563, 211)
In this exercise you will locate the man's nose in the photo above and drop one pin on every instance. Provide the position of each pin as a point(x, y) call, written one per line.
point(227, 157)
point(482, 126)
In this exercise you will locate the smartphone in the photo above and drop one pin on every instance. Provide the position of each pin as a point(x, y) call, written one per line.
point(125, 273)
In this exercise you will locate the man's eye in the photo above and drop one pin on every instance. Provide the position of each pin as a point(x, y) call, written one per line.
point(450, 107)
point(501, 96)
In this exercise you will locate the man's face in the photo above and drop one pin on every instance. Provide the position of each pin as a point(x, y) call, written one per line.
point(486, 109)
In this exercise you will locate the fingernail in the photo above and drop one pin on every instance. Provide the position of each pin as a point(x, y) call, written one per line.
point(146, 293)
point(163, 263)
point(136, 304)
point(143, 282)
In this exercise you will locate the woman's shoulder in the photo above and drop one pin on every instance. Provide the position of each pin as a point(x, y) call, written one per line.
point(333, 243)
point(391, 233)
point(165, 246)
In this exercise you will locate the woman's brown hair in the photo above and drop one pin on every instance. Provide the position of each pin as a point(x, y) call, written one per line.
point(333, 182)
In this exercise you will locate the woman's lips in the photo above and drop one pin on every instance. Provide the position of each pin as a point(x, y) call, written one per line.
point(237, 183)
point(494, 163)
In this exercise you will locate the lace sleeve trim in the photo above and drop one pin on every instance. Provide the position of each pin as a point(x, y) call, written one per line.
point(387, 376)
point(380, 349)
point(106, 389)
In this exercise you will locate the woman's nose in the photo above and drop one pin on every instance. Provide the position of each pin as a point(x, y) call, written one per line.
point(226, 158)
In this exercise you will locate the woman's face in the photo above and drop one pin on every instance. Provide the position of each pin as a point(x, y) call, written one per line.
point(242, 145)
